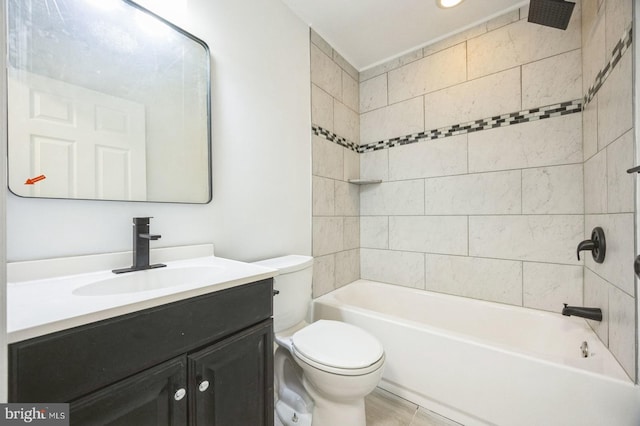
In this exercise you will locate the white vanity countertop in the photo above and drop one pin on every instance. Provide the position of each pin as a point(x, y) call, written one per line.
point(42, 306)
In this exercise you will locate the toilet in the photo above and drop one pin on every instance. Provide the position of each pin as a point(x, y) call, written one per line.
point(323, 370)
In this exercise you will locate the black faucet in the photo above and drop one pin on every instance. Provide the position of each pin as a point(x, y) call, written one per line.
point(141, 238)
point(579, 311)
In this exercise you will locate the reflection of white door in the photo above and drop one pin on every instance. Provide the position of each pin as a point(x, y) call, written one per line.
point(87, 144)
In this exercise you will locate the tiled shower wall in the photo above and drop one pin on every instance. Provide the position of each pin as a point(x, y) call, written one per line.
point(608, 147)
point(494, 214)
point(336, 203)
point(497, 213)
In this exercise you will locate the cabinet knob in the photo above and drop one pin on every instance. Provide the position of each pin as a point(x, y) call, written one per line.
point(203, 386)
point(180, 393)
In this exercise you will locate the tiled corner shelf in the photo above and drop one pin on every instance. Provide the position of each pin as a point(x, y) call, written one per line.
point(365, 181)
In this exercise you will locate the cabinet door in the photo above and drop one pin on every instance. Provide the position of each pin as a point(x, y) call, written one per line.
point(239, 372)
point(148, 398)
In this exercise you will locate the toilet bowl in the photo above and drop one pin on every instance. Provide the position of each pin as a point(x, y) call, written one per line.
point(323, 370)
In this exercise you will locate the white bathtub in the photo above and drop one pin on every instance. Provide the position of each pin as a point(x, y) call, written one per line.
point(486, 363)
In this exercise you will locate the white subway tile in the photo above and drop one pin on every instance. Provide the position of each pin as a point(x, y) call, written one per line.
point(594, 54)
point(325, 73)
point(548, 142)
point(617, 267)
point(392, 198)
point(622, 330)
point(394, 267)
point(345, 65)
point(535, 238)
point(347, 267)
point(503, 20)
point(439, 157)
point(520, 43)
point(328, 235)
point(351, 233)
point(321, 43)
point(399, 119)
point(374, 232)
point(351, 164)
point(443, 69)
point(552, 80)
point(553, 190)
point(347, 199)
point(391, 64)
point(481, 193)
point(596, 295)
point(615, 102)
point(590, 129)
point(328, 158)
point(548, 286)
point(486, 279)
point(458, 38)
point(595, 183)
point(373, 93)
point(321, 108)
point(429, 234)
point(481, 98)
point(375, 165)
point(346, 122)
point(350, 92)
point(323, 196)
point(619, 14)
point(324, 274)
point(620, 193)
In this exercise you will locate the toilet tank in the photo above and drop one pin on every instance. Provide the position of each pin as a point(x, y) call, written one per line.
point(293, 282)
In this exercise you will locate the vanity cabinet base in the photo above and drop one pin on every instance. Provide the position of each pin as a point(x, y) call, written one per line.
point(149, 367)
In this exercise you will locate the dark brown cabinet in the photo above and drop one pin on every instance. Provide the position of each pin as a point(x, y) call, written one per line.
point(201, 361)
point(229, 380)
point(148, 398)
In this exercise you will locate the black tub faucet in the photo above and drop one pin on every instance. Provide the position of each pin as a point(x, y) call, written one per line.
point(579, 311)
point(141, 239)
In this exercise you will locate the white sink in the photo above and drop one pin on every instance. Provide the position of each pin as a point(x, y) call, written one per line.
point(151, 279)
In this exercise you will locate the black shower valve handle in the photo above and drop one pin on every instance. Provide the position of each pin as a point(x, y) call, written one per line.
point(596, 245)
point(586, 245)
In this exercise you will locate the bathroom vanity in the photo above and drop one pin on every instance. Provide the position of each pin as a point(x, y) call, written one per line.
point(205, 359)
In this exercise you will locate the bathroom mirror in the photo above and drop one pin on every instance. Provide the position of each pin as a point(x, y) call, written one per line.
point(106, 101)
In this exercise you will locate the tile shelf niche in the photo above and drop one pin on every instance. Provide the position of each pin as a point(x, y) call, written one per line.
point(365, 181)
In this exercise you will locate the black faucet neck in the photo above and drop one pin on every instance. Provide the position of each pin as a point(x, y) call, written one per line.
point(141, 239)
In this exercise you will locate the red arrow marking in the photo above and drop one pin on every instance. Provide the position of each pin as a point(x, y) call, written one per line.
point(35, 179)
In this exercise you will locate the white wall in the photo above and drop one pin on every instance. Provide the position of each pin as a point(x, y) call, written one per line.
point(3, 190)
point(261, 152)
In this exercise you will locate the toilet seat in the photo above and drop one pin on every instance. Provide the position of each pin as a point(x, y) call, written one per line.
point(338, 348)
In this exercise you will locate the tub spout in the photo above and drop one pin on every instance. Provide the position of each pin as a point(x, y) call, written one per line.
point(579, 311)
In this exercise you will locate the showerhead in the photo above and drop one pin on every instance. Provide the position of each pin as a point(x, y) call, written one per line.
point(552, 13)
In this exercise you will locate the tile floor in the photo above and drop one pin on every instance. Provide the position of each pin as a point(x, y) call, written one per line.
point(386, 409)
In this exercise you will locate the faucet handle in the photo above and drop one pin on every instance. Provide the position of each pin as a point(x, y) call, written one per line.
point(141, 220)
point(150, 236)
point(596, 245)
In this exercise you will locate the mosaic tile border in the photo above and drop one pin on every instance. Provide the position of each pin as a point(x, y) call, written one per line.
point(503, 120)
point(618, 51)
point(330, 136)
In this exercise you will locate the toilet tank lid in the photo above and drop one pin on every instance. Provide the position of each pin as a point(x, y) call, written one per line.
point(287, 264)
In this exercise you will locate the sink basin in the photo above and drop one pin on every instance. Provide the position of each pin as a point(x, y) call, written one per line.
point(151, 279)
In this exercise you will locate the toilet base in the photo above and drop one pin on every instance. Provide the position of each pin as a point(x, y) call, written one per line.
point(330, 413)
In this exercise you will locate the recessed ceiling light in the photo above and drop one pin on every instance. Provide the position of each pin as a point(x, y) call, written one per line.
point(446, 4)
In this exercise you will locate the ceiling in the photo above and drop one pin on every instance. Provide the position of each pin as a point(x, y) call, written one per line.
point(369, 32)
